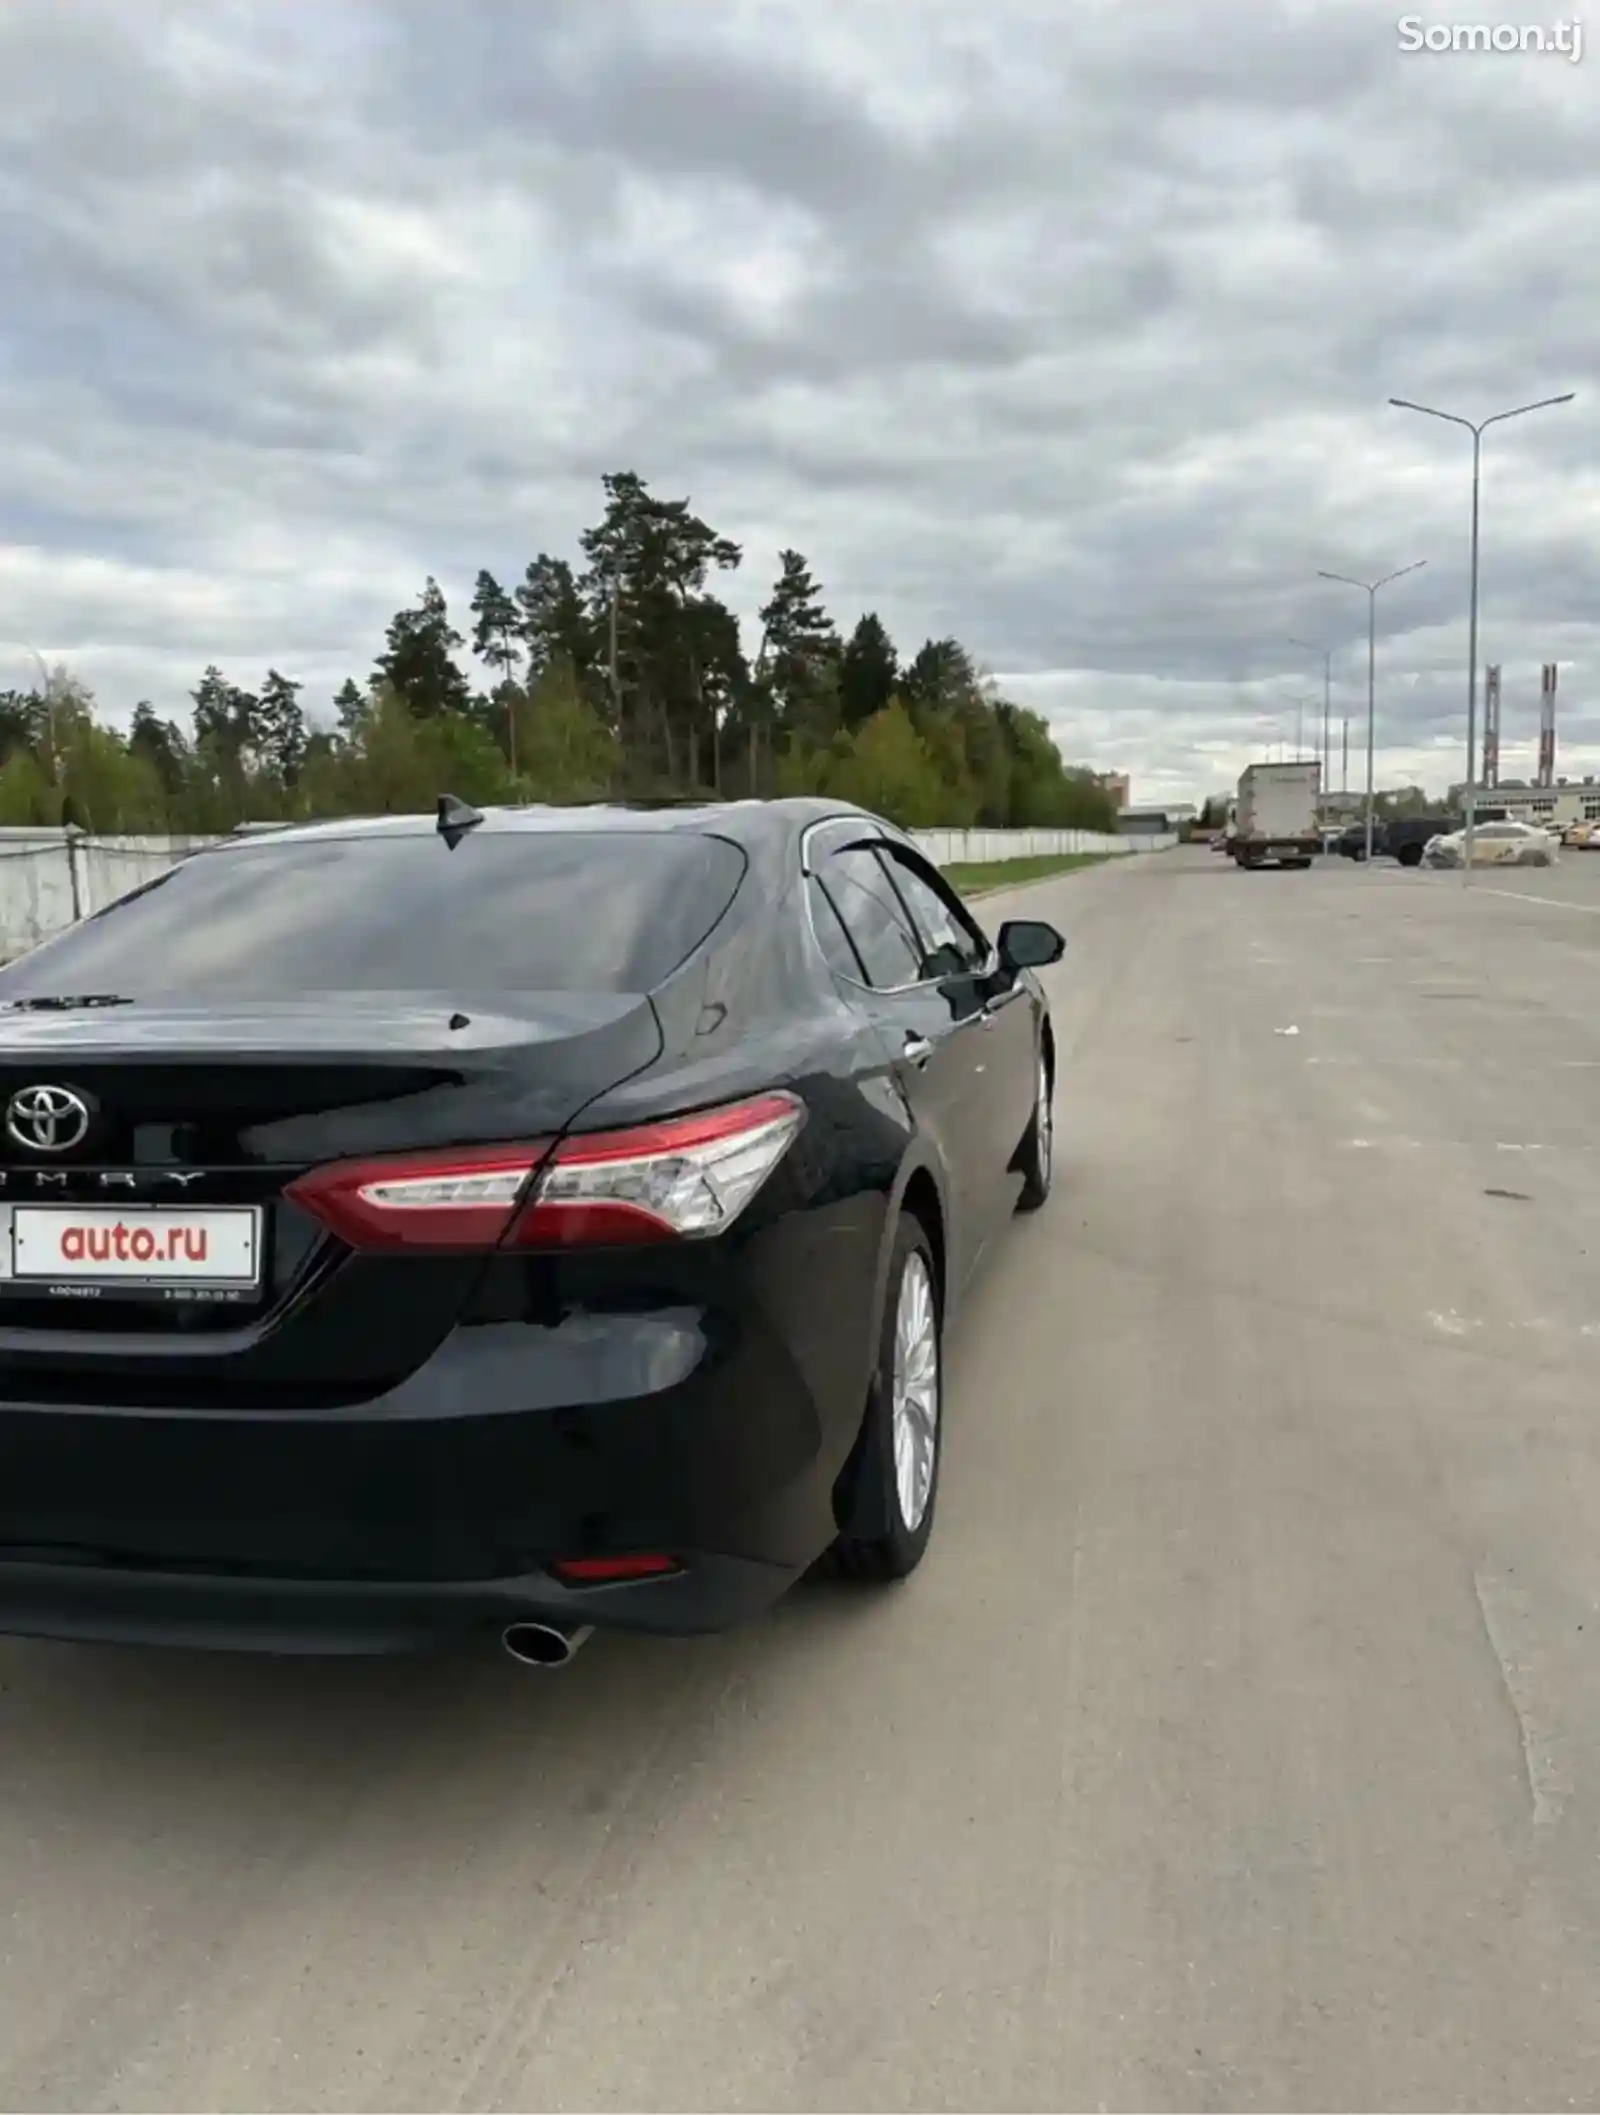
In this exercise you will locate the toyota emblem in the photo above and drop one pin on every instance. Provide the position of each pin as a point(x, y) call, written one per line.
point(47, 1119)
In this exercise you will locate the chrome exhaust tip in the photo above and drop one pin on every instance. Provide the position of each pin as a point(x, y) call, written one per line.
point(544, 1644)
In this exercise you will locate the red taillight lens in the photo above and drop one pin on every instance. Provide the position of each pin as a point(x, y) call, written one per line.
point(683, 1178)
point(613, 1571)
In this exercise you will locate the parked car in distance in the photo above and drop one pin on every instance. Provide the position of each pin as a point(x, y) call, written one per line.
point(1406, 837)
point(1494, 844)
point(416, 1227)
point(1402, 838)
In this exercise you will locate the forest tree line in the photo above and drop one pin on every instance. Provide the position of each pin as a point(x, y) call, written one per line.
point(620, 674)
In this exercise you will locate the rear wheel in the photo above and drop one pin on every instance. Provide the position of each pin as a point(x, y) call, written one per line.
point(898, 1465)
point(1410, 855)
point(1038, 1148)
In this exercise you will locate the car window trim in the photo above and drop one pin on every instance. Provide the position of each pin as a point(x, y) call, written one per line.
point(869, 841)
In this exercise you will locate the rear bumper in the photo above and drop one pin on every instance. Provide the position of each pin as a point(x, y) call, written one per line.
point(123, 1606)
point(1269, 850)
point(436, 1511)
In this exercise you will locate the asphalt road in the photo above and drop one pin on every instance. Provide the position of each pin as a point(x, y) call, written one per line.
point(1238, 1745)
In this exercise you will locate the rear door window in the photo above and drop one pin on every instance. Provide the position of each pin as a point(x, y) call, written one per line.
point(836, 944)
point(506, 910)
point(953, 945)
point(872, 913)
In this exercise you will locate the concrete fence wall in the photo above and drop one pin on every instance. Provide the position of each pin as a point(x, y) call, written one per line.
point(47, 881)
point(949, 848)
point(49, 878)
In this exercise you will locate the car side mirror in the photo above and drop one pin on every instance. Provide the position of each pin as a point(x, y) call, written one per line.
point(1028, 943)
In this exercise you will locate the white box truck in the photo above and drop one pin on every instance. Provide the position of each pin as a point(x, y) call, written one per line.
point(1277, 815)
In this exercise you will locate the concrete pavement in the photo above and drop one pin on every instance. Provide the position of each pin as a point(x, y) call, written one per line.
point(1237, 1746)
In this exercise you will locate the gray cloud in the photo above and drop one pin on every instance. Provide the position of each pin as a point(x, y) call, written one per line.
point(1067, 330)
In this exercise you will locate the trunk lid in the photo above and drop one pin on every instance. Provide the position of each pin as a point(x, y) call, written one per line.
point(210, 1111)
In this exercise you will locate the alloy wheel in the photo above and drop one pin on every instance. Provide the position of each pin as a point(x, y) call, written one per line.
point(916, 1391)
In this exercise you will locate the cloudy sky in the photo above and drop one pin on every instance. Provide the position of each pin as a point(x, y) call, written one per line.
point(1066, 328)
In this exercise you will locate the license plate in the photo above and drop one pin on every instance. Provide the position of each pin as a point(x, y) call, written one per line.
point(180, 1253)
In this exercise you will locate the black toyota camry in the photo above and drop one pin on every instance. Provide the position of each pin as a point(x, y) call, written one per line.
point(512, 1222)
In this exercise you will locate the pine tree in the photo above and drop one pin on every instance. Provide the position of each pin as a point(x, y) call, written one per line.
point(350, 704)
point(496, 631)
point(551, 618)
point(648, 562)
point(279, 734)
point(796, 635)
point(417, 661)
point(496, 639)
point(868, 672)
point(161, 743)
point(221, 718)
point(797, 666)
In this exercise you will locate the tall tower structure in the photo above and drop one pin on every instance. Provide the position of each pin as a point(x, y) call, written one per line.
point(1547, 724)
point(1491, 727)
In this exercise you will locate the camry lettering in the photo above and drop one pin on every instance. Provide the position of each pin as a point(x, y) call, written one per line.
point(33, 1180)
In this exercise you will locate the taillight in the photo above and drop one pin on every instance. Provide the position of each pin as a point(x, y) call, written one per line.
point(683, 1178)
point(680, 1179)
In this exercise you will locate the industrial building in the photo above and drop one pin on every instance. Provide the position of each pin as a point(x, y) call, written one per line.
point(1567, 801)
point(1156, 822)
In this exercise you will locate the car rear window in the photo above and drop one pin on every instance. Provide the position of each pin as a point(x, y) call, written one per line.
point(505, 911)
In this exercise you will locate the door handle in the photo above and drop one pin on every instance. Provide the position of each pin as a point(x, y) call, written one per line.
point(917, 1050)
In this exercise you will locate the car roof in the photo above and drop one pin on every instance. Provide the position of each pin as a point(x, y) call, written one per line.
point(757, 825)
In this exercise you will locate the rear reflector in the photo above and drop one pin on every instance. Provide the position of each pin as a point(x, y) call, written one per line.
point(680, 1179)
point(613, 1571)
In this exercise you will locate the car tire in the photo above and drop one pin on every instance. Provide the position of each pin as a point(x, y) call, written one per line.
point(1410, 855)
point(896, 1474)
point(1037, 1157)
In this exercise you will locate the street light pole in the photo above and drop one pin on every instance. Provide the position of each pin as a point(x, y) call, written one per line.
point(1370, 589)
point(1477, 431)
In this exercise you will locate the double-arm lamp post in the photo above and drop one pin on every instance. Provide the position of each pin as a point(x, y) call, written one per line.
point(1370, 589)
point(1477, 431)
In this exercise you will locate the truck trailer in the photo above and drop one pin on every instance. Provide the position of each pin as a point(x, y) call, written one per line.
point(1277, 815)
